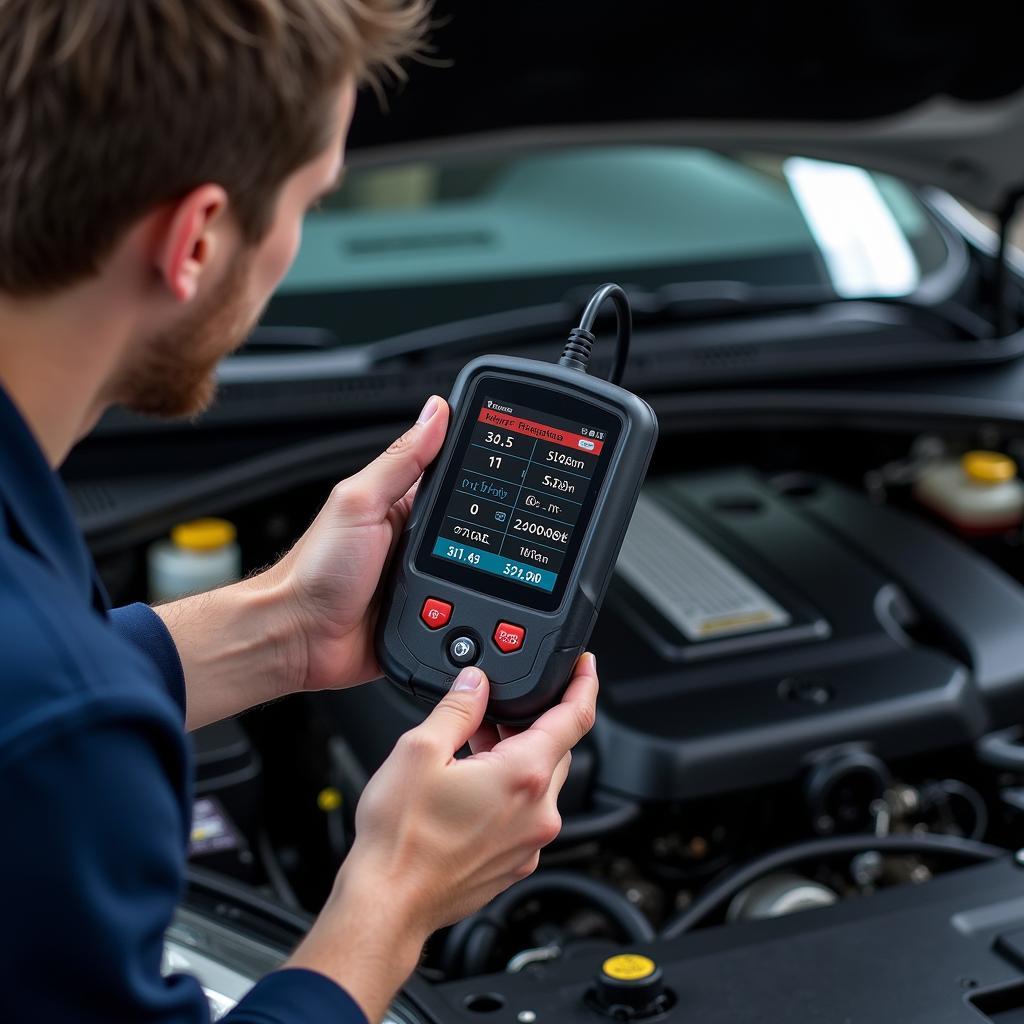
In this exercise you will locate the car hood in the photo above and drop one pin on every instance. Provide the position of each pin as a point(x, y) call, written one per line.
point(936, 97)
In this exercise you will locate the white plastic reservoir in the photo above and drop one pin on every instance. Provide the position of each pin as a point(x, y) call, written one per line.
point(200, 555)
point(978, 493)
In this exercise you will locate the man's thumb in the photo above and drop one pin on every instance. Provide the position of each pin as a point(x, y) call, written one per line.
point(460, 712)
point(391, 475)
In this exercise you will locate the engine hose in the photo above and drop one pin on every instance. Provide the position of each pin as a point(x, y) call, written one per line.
point(275, 873)
point(470, 943)
point(610, 813)
point(833, 846)
point(479, 943)
point(1003, 749)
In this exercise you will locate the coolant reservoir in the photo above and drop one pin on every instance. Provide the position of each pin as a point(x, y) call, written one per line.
point(978, 493)
point(200, 555)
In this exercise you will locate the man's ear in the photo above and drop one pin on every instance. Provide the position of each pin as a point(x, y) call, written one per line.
point(187, 241)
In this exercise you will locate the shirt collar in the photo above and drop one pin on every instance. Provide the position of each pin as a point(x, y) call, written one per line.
point(34, 497)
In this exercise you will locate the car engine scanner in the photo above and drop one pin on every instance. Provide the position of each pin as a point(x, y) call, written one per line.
point(517, 525)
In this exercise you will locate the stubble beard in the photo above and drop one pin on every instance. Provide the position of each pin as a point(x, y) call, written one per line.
point(175, 376)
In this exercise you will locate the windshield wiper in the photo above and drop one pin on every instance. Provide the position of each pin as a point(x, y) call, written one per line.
point(673, 303)
point(715, 299)
point(478, 334)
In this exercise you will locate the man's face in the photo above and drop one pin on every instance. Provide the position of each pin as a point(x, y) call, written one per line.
point(174, 372)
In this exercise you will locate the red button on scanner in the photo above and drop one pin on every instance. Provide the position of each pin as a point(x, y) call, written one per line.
point(508, 637)
point(435, 613)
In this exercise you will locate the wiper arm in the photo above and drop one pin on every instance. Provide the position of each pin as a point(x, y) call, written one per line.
point(323, 353)
point(685, 302)
point(478, 334)
point(716, 299)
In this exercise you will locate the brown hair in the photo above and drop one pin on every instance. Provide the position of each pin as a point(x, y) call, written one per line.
point(110, 107)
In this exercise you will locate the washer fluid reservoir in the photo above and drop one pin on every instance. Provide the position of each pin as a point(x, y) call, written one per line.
point(979, 493)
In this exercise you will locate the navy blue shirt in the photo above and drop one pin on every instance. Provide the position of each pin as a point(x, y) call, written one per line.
point(95, 800)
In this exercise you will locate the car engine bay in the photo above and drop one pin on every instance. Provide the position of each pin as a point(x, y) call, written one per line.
point(811, 701)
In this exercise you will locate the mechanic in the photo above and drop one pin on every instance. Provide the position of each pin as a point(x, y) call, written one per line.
point(156, 161)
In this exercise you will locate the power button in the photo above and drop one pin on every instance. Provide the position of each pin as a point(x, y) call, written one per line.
point(463, 650)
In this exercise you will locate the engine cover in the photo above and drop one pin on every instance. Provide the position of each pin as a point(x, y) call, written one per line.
point(949, 951)
point(754, 624)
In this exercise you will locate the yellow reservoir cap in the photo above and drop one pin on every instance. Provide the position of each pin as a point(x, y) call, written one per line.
point(328, 799)
point(629, 967)
point(988, 467)
point(203, 534)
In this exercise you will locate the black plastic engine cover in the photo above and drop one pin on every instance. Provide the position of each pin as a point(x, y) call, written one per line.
point(941, 953)
point(900, 638)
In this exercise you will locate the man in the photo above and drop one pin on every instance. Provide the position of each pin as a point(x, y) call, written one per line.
point(156, 160)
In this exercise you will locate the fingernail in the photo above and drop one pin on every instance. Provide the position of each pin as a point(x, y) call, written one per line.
point(428, 410)
point(467, 679)
point(593, 661)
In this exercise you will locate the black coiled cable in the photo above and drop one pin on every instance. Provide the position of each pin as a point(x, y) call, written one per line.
point(576, 353)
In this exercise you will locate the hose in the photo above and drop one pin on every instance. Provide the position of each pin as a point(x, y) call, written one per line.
point(275, 873)
point(609, 814)
point(1002, 749)
point(470, 943)
point(833, 846)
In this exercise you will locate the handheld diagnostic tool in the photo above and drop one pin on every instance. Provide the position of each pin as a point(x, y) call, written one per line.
point(516, 527)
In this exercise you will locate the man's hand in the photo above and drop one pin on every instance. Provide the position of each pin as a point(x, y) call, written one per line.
point(307, 622)
point(437, 838)
point(331, 576)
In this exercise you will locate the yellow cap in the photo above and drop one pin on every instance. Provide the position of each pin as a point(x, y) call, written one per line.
point(203, 534)
point(328, 799)
point(629, 967)
point(988, 467)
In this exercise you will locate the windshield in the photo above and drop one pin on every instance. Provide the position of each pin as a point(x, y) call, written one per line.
point(410, 246)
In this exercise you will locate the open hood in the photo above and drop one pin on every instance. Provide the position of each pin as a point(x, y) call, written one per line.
point(934, 96)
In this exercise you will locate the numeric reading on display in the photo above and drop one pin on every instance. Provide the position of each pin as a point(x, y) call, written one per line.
point(518, 494)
